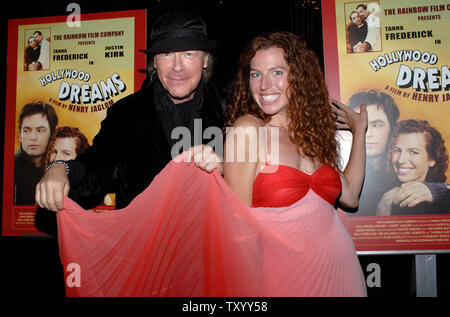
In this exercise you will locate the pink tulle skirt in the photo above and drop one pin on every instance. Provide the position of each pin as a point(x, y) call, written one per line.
point(188, 234)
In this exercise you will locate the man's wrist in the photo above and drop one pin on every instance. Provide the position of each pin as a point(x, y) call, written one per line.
point(61, 162)
point(438, 190)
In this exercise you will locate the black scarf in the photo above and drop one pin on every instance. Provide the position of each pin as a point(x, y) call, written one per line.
point(177, 115)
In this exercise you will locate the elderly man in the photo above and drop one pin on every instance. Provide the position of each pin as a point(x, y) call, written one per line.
point(134, 142)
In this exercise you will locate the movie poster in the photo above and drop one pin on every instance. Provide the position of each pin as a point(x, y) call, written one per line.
point(62, 77)
point(393, 56)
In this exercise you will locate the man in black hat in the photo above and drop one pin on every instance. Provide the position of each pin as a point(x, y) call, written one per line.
point(134, 143)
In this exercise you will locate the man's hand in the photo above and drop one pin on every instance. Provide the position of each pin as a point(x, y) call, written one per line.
point(412, 194)
point(205, 158)
point(384, 207)
point(52, 188)
point(361, 47)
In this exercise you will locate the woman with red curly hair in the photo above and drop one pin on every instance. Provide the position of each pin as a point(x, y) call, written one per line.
point(65, 144)
point(418, 157)
point(280, 86)
point(280, 91)
point(268, 228)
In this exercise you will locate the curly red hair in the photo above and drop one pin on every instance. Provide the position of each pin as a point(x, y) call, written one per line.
point(82, 142)
point(312, 122)
point(435, 146)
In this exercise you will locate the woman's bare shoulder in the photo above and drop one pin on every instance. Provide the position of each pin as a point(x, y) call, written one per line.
point(248, 120)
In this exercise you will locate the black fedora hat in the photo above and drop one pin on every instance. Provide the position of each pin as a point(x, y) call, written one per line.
point(179, 31)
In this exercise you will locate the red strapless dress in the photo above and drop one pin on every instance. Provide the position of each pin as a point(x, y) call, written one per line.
point(282, 185)
point(189, 234)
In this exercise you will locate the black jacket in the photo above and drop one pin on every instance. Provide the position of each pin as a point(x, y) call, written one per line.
point(26, 176)
point(439, 205)
point(356, 34)
point(133, 146)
